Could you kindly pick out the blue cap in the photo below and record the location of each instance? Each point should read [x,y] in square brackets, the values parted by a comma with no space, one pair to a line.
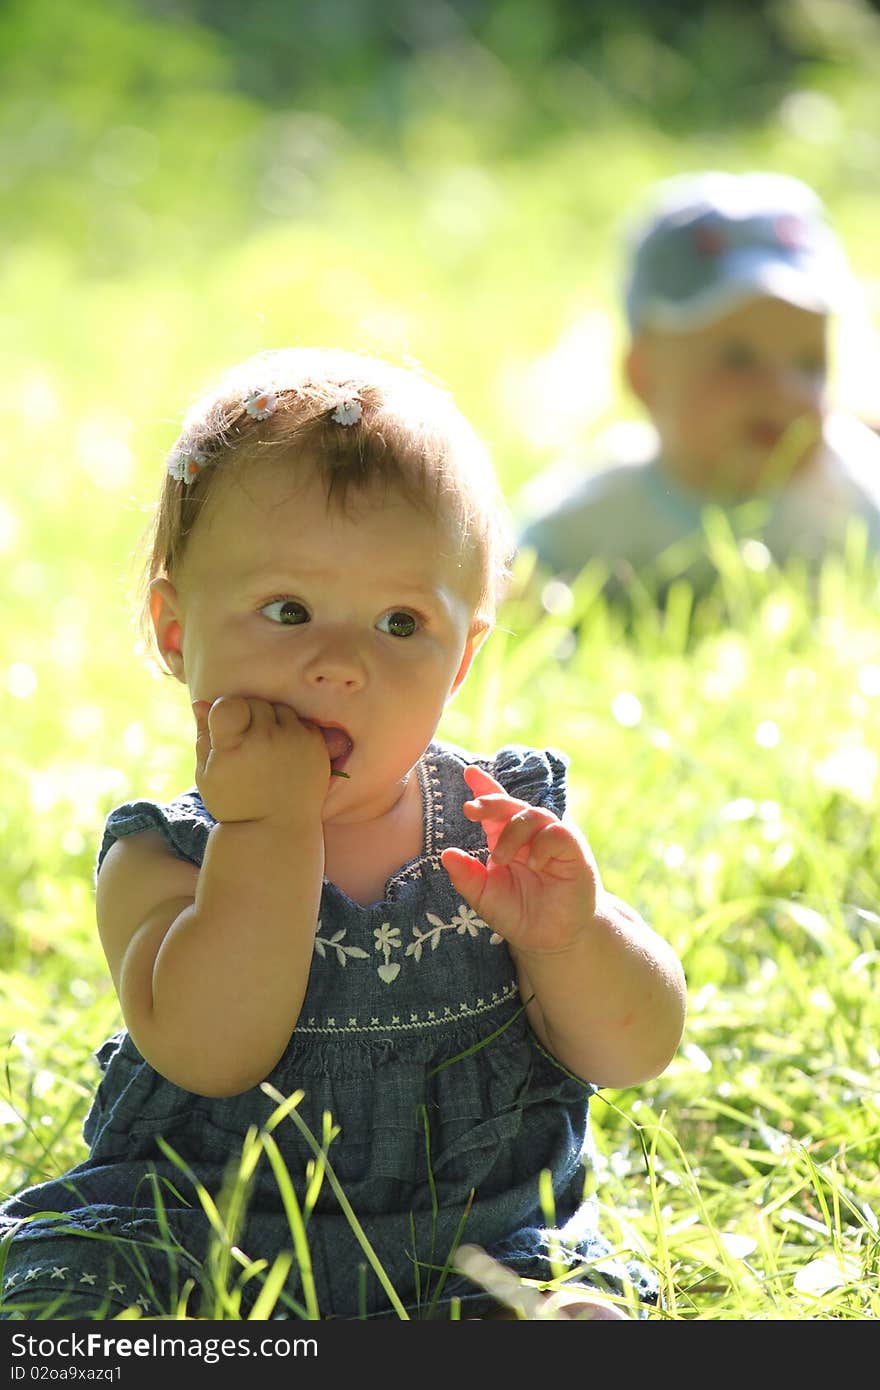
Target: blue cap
[713,241]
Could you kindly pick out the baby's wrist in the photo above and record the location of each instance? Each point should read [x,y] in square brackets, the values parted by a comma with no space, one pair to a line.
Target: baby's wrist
[571,949]
[281,821]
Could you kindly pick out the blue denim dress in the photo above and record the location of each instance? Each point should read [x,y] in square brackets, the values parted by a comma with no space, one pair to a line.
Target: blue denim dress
[412,1051]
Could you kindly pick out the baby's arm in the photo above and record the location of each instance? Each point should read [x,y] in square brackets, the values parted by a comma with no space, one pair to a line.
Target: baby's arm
[607,993]
[211,965]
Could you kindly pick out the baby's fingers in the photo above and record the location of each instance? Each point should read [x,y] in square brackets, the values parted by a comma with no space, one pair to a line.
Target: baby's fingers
[553,844]
[520,832]
[466,874]
[201,710]
[229,720]
[493,812]
[481,782]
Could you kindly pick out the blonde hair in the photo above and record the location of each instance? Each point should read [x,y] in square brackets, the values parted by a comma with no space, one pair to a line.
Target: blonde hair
[405,436]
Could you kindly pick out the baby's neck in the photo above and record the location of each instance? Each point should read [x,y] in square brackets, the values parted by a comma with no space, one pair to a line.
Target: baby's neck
[360,856]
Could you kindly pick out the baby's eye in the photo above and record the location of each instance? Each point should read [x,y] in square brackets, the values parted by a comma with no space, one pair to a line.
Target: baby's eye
[398,623]
[285,610]
[812,366]
[738,356]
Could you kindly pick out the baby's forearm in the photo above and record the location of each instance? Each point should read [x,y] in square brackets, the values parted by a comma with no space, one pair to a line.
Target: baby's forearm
[612,1006]
[230,975]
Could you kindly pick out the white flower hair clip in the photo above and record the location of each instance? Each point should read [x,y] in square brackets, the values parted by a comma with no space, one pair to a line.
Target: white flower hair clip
[347,410]
[184,465]
[260,404]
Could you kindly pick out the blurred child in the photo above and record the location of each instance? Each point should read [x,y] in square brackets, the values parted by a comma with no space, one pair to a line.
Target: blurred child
[730,285]
[414,937]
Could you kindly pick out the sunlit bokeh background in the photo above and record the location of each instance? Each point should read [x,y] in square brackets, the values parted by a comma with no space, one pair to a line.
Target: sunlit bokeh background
[184,182]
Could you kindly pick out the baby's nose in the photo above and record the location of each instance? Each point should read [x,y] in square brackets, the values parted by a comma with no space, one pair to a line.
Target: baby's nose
[803,387]
[336,663]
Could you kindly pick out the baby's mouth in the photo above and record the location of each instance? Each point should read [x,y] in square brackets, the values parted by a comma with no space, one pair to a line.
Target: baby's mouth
[765,434]
[338,744]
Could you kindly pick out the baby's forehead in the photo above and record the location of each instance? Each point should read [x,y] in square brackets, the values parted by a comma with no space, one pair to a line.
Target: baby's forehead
[753,315]
[259,489]
[254,510]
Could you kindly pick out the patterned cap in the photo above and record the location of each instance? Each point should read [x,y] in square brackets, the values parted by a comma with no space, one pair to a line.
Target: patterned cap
[712,241]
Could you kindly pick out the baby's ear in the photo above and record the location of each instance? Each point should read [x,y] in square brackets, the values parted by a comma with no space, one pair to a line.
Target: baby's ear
[479,631]
[164,612]
[637,370]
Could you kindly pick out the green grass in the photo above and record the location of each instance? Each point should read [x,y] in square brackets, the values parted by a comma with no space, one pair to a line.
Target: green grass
[724,760]
[726,776]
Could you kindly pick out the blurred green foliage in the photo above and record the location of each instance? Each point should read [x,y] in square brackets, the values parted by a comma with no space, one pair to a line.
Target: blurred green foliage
[678,60]
[185,182]
[133,130]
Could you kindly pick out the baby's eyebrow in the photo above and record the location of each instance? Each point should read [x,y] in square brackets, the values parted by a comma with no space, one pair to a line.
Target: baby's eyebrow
[394,588]
[426,593]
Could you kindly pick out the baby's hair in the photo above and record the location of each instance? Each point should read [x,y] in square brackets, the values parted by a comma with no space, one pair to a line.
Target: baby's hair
[361,425]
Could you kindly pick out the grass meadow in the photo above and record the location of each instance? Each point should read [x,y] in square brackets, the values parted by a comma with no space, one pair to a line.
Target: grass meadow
[725,757]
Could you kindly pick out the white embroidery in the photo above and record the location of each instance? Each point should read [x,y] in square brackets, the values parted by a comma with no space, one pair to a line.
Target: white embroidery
[430,1019]
[335,942]
[465,922]
[113,1287]
[387,940]
[391,953]
[59,1271]
[88,1278]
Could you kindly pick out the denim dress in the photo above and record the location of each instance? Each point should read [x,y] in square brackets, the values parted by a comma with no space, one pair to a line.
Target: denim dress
[425,1115]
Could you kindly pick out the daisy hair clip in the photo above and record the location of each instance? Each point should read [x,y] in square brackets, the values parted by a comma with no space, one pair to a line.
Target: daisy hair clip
[184,465]
[260,404]
[347,410]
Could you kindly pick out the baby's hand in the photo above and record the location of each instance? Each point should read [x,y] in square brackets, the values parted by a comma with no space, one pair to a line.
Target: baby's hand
[539,887]
[257,761]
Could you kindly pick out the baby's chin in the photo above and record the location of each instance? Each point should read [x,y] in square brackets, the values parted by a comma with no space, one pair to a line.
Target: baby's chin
[748,472]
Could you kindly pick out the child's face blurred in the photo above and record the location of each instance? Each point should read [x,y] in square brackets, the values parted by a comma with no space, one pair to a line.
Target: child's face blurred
[738,403]
[363,622]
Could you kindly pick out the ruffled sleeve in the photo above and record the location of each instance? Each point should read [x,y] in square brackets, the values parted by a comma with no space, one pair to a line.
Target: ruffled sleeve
[184,824]
[534,775]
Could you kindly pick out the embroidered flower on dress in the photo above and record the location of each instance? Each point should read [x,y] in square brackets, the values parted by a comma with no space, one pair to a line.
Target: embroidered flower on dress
[260,404]
[386,936]
[387,939]
[347,410]
[467,921]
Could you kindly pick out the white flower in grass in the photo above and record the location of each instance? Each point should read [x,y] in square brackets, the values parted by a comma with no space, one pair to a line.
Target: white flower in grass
[260,404]
[347,410]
